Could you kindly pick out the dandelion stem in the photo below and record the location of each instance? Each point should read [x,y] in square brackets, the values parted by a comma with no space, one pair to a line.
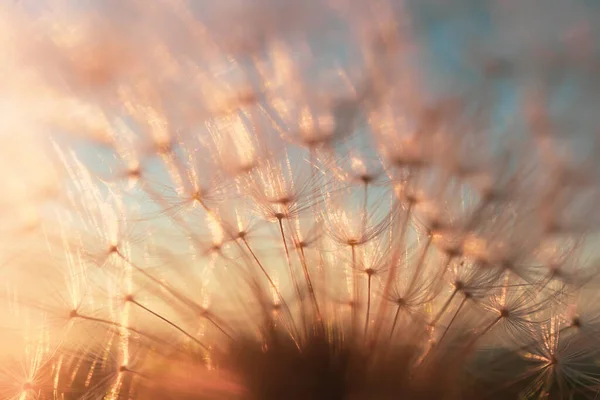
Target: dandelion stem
[263,270]
[439,279]
[311,289]
[315,211]
[462,303]
[483,332]
[292,274]
[270,280]
[356,293]
[157,315]
[443,309]
[368,303]
[393,268]
[218,326]
[396,314]
[419,265]
[129,328]
[364,206]
[177,296]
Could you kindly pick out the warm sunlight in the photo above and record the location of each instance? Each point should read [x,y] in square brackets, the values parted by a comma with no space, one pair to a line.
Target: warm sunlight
[315,200]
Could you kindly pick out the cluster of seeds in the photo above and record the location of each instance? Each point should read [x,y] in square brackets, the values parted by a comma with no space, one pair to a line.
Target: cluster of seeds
[304,202]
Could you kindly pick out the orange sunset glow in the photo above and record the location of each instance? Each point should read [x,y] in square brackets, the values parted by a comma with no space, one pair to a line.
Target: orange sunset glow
[312,200]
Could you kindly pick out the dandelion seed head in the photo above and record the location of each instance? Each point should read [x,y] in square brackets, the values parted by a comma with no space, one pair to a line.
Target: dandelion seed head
[308,201]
